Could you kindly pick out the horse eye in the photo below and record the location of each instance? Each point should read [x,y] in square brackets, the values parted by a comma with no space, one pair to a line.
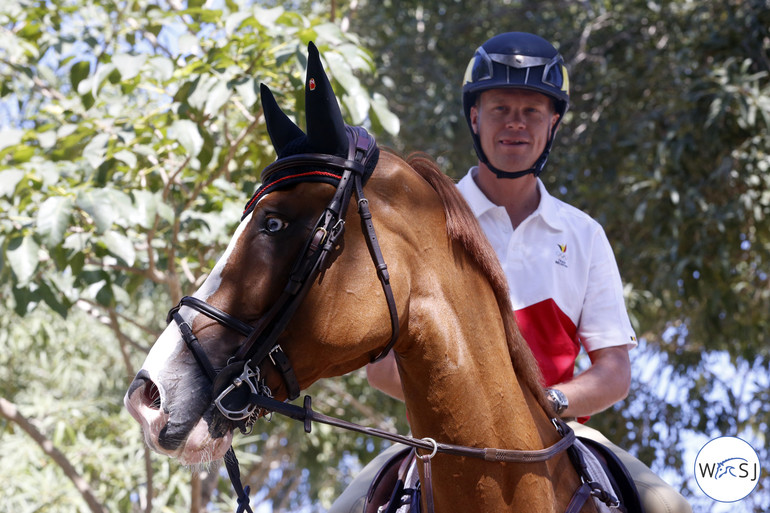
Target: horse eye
[275,224]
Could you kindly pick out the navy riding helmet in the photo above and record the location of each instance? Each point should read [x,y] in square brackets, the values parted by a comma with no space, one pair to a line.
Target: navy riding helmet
[522,61]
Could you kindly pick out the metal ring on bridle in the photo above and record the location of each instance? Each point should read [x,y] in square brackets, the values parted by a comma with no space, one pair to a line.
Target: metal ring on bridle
[435,446]
[246,377]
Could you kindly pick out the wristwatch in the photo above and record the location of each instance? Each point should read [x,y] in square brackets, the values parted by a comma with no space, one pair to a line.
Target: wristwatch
[558,400]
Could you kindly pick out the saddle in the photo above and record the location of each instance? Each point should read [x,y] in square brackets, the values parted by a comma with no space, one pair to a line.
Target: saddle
[396,487]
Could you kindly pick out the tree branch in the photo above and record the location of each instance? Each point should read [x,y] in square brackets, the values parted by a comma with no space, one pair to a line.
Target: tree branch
[90,306]
[151,273]
[230,155]
[10,412]
[148,470]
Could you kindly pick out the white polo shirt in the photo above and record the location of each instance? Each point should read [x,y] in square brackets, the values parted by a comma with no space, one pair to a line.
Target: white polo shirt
[564,281]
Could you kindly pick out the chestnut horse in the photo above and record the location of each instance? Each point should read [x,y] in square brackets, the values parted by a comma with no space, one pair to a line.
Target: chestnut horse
[468,376]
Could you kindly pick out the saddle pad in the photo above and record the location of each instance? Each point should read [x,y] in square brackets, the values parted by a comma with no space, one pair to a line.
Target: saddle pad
[597,472]
[615,471]
[391,483]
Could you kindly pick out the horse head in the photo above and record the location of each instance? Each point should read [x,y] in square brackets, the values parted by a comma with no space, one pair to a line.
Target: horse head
[274,312]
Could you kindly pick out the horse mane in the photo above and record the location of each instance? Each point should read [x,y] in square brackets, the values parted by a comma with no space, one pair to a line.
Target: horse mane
[464,229]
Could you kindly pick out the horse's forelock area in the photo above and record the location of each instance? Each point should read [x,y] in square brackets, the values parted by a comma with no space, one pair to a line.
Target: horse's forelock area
[463,228]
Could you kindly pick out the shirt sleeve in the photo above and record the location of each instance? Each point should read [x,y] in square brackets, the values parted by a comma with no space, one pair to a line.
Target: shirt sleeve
[604,319]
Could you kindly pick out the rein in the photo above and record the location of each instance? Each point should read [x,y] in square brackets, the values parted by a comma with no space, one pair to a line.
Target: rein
[588,488]
[307,416]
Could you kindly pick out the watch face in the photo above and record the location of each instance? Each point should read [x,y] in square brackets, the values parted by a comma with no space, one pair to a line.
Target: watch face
[559,400]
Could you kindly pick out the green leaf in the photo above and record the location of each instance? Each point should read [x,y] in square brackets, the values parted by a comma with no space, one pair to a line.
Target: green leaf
[102,74]
[10,137]
[9,179]
[186,133]
[96,149]
[198,95]
[78,72]
[162,68]
[247,90]
[357,107]
[233,21]
[22,253]
[127,157]
[129,66]
[55,299]
[385,117]
[145,207]
[77,242]
[188,44]
[268,17]
[46,139]
[53,218]
[23,297]
[217,96]
[98,204]
[23,153]
[120,246]
[104,295]
[88,100]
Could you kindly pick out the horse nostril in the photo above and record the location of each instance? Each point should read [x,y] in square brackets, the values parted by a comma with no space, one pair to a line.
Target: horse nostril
[151,395]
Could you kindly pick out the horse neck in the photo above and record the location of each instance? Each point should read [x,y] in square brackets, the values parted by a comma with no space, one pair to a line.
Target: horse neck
[460,388]
[459,383]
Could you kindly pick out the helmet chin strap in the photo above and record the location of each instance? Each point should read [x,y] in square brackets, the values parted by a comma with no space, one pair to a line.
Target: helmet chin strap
[536,168]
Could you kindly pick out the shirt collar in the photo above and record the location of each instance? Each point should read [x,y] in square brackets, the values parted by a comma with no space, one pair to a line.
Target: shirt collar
[477,200]
[547,209]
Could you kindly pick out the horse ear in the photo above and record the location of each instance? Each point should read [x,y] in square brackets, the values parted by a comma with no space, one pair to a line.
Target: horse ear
[280,128]
[325,127]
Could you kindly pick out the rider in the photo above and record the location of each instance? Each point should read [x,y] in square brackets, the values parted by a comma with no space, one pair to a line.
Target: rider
[515,94]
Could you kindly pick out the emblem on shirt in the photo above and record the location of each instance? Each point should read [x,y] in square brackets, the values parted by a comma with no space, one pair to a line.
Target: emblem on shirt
[561,255]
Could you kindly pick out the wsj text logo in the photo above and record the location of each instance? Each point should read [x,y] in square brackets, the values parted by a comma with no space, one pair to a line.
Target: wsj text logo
[727,469]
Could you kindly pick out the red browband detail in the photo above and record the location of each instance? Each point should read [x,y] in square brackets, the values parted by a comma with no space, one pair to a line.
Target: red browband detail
[266,188]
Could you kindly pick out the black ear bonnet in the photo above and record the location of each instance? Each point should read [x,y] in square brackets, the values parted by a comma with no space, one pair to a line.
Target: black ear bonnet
[329,147]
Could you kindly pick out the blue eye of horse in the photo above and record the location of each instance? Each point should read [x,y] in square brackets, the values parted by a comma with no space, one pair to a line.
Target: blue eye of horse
[275,224]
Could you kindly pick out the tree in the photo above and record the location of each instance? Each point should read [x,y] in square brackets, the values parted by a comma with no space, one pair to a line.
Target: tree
[131,138]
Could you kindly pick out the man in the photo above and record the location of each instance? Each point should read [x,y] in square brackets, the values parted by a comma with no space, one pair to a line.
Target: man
[564,282]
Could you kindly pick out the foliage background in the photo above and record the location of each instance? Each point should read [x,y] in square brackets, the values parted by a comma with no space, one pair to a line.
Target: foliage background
[131,135]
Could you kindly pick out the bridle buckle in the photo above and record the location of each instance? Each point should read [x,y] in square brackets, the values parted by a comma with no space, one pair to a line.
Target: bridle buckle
[276,349]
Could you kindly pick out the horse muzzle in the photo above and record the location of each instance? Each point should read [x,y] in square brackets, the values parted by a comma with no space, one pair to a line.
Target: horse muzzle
[190,438]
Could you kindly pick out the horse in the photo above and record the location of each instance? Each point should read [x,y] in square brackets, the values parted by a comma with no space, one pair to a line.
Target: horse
[296,298]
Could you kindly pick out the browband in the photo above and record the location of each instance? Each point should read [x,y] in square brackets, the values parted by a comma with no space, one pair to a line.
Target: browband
[363,155]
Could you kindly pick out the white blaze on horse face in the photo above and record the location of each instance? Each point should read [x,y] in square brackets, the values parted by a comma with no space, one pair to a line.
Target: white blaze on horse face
[160,360]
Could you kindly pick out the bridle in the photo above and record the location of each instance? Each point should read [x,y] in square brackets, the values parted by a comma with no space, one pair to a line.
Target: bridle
[244,404]
[234,400]
[349,175]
